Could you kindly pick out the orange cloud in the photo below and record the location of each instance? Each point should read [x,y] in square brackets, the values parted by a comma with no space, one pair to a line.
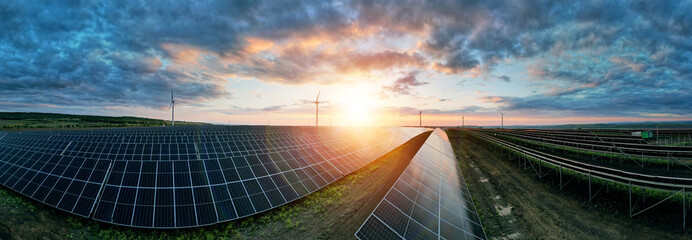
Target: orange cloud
[183,53]
[255,45]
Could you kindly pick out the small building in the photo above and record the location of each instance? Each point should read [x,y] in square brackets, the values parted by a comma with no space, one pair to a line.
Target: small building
[643,134]
[647,134]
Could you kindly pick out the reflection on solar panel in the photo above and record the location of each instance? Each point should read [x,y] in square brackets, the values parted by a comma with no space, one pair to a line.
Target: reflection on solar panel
[177,177]
[430,200]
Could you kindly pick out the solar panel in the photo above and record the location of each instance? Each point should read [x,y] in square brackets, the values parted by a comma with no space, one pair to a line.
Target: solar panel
[175,177]
[69,183]
[430,200]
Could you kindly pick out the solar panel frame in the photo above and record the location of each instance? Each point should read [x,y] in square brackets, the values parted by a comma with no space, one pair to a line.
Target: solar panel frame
[430,197]
[188,176]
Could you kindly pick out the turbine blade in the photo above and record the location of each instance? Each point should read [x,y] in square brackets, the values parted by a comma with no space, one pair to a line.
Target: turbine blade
[318,96]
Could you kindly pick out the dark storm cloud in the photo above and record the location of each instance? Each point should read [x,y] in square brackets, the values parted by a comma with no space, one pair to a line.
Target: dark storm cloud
[86,54]
[102,53]
[629,57]
[599,57]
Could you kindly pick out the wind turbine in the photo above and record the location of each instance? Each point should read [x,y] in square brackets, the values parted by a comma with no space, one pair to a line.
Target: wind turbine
[420,118]
[317,109]
[172,108]
[502,116]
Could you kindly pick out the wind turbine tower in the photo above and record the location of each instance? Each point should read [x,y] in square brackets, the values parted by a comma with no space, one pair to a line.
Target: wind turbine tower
[502,117]
[172,107]
[420,118]
[317,109]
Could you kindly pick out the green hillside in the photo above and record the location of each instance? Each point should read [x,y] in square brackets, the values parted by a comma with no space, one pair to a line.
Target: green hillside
[32,120]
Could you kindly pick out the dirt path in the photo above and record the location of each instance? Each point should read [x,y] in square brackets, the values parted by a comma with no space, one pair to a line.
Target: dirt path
[516,205]
[334,212]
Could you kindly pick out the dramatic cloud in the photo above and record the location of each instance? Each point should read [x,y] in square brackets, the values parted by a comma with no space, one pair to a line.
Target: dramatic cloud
[630,58]
[381,61]
[404,85]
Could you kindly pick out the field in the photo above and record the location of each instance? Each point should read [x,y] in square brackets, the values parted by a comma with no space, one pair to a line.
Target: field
[334,212]
[15,121]
[511,201]
[515,204]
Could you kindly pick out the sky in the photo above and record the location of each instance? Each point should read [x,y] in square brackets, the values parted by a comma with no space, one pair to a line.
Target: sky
[373,62]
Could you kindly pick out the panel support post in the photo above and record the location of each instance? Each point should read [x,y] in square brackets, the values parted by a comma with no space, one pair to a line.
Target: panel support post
[630,194]
[560,177]
[540,169]
[589,186]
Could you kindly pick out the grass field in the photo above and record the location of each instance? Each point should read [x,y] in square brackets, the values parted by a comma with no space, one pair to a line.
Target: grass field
[14,121]
[514,204]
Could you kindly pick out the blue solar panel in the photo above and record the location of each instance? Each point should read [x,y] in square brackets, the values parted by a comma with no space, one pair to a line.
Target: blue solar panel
[430,200]
[174,177]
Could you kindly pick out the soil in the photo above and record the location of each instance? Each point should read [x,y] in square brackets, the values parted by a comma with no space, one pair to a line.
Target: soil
[364,189]
[513,204]
[333,212]
[350,211]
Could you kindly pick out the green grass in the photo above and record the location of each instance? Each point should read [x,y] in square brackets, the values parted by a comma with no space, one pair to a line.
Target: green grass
[602,156]
[22,120]
[598,182]
[16,204]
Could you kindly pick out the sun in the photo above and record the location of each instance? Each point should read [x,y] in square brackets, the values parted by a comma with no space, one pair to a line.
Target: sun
[358,107]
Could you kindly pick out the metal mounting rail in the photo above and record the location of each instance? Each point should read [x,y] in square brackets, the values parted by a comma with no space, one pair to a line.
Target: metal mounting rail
[648,153]
[633,146]
[680,162]
[623,153]
[673,185]
[616,175]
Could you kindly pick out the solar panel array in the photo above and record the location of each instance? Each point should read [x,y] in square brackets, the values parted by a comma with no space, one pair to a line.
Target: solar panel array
[430,200]
[175,177]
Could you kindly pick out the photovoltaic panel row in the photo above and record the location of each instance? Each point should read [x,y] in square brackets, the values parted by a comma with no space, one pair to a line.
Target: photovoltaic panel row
[185,176]
[71,184]
[118,144]
[222,188]
[430,200]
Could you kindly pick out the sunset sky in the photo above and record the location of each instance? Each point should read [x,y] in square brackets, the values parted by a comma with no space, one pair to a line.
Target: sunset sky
[375,62]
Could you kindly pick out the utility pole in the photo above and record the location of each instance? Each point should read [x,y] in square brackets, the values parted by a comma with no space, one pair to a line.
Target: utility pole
[462,121]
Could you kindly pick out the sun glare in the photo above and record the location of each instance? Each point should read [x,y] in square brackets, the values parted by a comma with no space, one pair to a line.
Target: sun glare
[358,107]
